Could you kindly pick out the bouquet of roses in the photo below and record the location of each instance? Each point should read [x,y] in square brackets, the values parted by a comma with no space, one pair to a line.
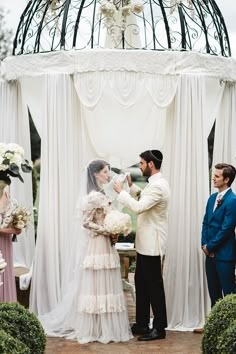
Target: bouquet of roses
[117,222]
[20,217]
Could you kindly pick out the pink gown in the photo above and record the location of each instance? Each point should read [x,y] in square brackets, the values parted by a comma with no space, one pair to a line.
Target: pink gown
[8,289]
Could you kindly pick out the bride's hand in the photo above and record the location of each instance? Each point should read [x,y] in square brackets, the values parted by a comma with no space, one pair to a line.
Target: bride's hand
[114,238]
[118,186]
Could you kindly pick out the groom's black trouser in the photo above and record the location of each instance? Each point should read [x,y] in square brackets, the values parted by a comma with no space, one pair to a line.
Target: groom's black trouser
[150,291]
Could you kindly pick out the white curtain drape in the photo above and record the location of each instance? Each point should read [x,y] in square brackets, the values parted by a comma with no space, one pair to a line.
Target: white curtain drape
[14,127]
[114,105]
[225,128]
[186,150]
[60,161]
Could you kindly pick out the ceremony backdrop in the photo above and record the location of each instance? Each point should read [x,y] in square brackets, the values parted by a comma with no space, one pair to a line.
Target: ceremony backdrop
[114,104]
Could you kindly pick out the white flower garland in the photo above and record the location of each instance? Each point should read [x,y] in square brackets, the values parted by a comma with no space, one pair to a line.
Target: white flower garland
[111,11]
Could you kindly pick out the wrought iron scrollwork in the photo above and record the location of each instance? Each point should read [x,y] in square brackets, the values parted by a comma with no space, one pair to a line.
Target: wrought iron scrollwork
[178,25]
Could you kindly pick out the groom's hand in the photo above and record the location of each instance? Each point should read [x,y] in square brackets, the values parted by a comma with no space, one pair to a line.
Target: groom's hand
[204,248]
[118,186]
[129,180]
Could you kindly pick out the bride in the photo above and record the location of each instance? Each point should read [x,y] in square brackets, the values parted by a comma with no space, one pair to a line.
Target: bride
[94,308]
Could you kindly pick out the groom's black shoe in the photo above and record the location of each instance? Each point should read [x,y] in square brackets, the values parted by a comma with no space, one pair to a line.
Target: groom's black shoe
[153,334]
[138,329]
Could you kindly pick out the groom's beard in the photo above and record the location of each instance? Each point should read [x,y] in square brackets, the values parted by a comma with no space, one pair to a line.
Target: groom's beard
[147,172]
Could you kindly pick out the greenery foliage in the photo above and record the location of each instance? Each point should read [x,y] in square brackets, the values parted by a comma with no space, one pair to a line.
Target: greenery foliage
[220,329]
[130,238]
[35,140]
[9,344]
[34,183]
[227,341]
[23,326]
[5,36]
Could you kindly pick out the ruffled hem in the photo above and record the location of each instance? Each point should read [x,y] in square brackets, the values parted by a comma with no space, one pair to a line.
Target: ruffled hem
[103,328]
[105,261]
[101,304]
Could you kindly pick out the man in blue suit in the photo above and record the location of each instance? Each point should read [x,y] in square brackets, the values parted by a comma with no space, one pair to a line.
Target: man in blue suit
[218,234]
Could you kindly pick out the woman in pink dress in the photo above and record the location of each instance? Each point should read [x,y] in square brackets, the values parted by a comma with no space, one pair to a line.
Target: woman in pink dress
[12,162]
[8,289]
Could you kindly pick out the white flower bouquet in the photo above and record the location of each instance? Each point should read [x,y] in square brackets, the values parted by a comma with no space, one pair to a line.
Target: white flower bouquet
[12,161]
[20,218]
[116,223]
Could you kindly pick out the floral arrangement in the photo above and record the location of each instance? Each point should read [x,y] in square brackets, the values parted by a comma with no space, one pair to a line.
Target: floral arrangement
[20,218]
[116,223]
[110,10]
[12,161]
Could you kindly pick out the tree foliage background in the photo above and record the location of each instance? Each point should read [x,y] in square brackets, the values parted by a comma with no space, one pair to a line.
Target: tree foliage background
[6,36]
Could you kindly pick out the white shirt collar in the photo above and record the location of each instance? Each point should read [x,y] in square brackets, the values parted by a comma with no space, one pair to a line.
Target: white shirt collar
[154,177]
[221,194]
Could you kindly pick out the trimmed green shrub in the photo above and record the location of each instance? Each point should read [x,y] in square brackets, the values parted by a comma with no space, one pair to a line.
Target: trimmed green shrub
[227,341]
[10,345]
[23,325]
[219,321]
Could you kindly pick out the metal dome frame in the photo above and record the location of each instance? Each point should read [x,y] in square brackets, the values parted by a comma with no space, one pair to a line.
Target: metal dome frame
[178,25]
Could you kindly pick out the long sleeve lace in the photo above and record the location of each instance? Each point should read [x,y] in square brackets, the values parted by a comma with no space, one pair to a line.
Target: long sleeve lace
[89,223]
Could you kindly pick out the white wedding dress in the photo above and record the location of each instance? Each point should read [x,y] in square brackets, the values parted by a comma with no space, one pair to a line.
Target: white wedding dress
[94,308]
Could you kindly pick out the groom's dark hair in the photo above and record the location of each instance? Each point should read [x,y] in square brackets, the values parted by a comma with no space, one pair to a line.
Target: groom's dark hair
[229,171]
[153,155]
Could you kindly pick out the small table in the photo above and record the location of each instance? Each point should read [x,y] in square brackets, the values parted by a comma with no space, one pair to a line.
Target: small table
[125,254]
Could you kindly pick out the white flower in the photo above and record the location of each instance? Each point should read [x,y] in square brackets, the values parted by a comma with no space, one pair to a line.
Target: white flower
[20,224]
[17,159]
[16,149]
[137,7]
[126,10]
[107,8]
[116,222]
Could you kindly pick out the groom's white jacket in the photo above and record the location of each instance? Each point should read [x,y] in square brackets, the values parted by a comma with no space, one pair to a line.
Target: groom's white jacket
[152,210]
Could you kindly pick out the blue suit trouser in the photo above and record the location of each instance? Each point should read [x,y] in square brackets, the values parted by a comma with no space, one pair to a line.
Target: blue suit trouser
[220,278]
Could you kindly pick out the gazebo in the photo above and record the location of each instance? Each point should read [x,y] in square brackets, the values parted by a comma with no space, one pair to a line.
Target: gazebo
[110,79]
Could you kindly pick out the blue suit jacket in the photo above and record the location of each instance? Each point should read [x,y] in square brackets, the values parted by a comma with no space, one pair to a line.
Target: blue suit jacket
[218,228]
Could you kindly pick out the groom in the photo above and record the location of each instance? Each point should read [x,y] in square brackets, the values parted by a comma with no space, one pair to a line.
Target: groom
[151,205]
[218,234]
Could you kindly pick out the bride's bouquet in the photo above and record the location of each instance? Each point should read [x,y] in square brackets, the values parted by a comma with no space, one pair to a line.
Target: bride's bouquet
[117,222]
